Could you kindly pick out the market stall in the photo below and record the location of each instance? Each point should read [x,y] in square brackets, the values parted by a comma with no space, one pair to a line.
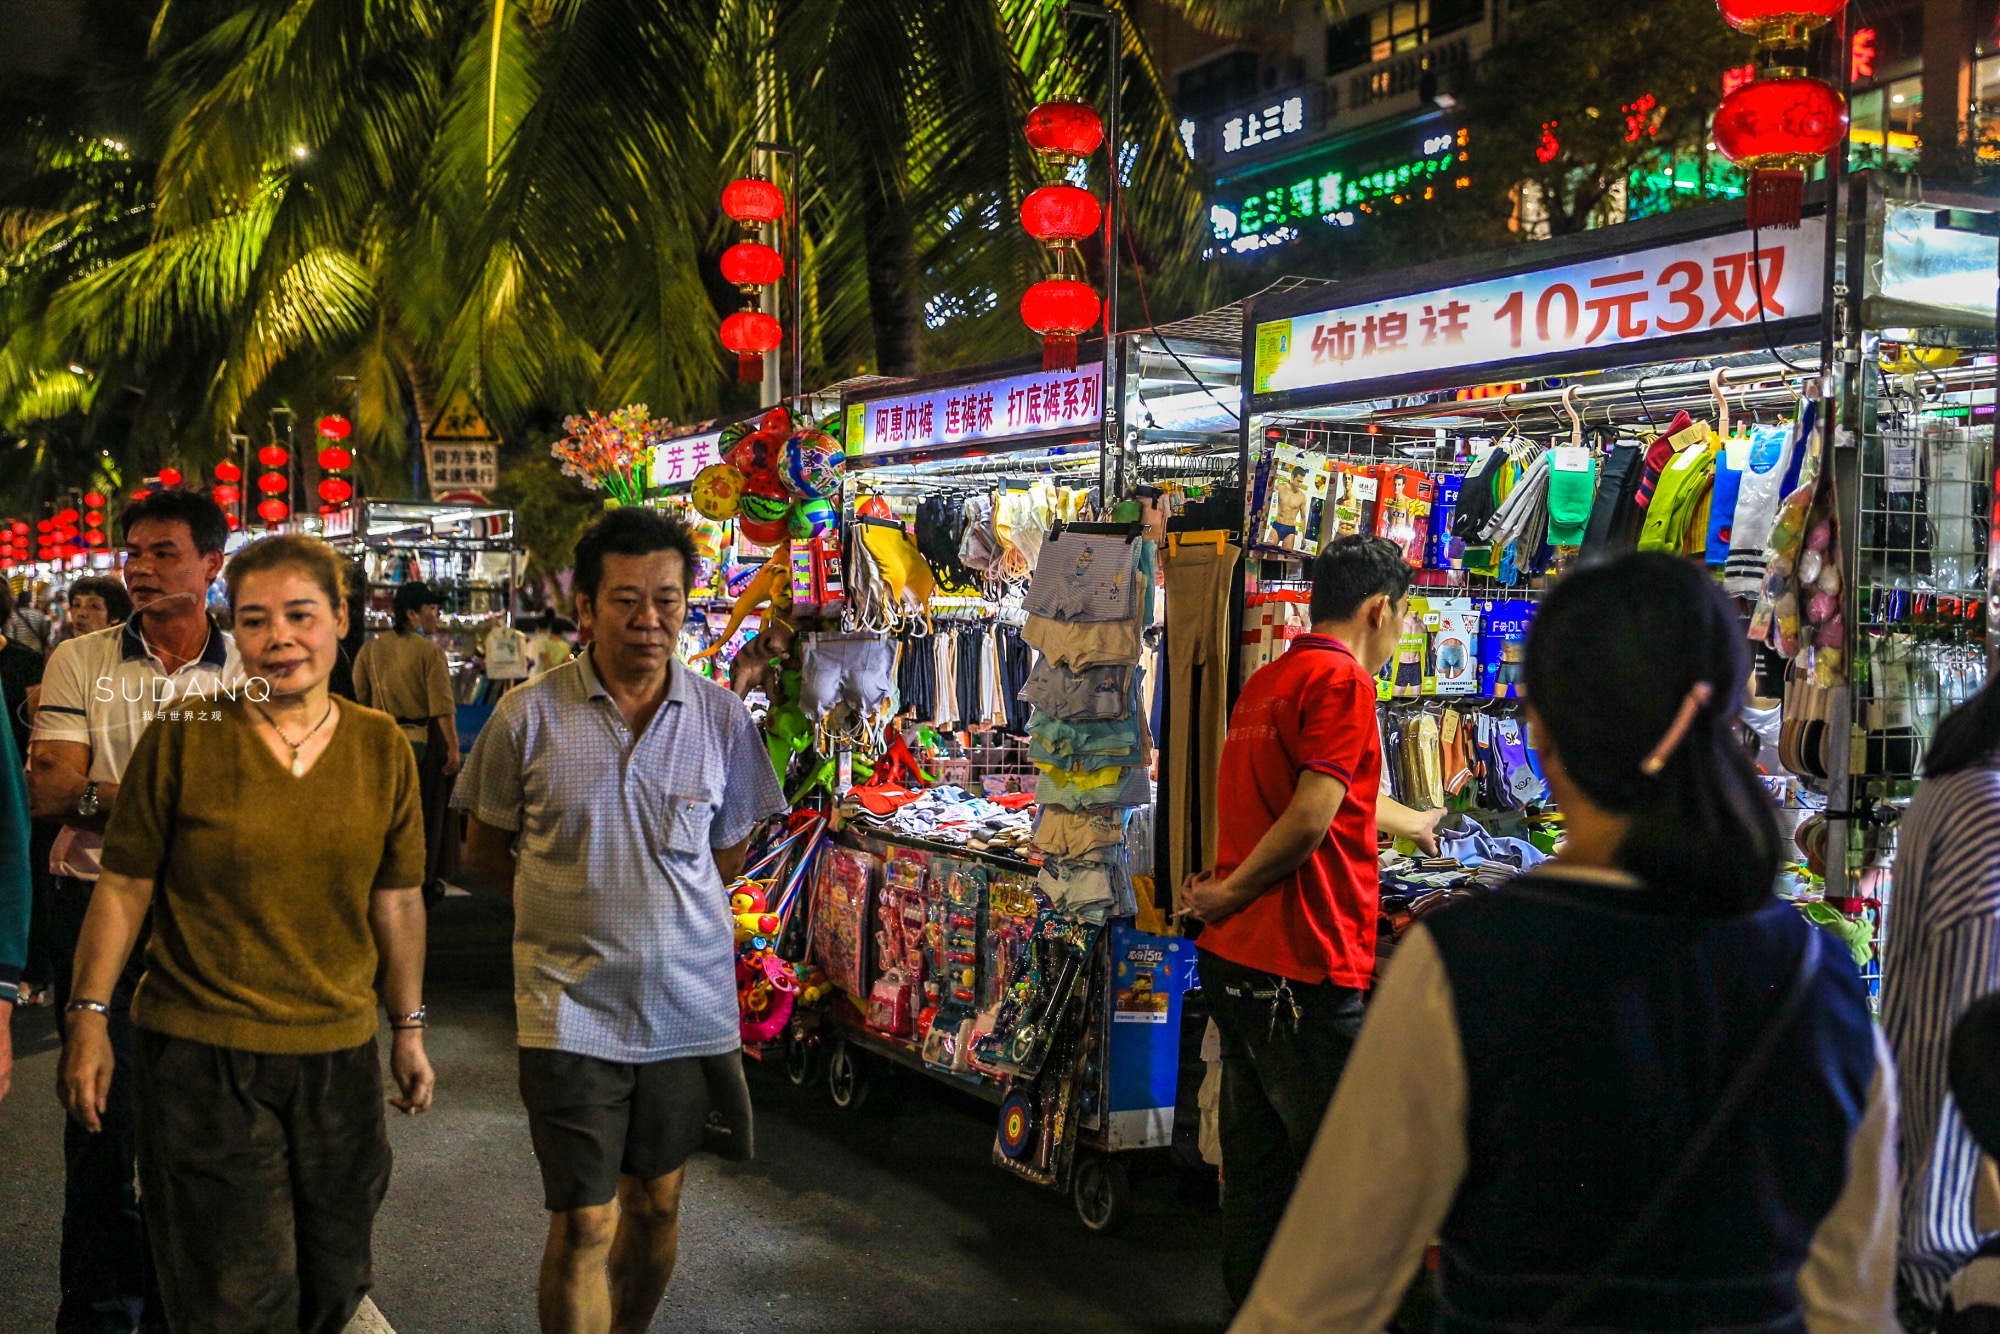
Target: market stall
[1680,384]
[978,901]
[466,553]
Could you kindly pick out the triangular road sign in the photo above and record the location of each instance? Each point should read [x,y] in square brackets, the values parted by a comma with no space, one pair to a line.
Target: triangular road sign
[460,421]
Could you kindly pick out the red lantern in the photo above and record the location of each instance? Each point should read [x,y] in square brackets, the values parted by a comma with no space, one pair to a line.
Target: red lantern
[228,472]
[226,495]
[20,527]
[335,489]
[274,456]
[66,516]
[271,483]
[93,520]
[1775,128]
[753,201]
[1059,309]
[335,427]
[1057,213]
[43,525]
[1065,129]
[750,334]
[94,537]
[1790,20]
[273,510]
[750,264]
[170,477]
[234,522]
[333,458]
[94,500]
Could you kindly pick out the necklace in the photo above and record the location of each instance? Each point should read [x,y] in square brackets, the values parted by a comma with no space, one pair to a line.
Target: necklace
[298,765]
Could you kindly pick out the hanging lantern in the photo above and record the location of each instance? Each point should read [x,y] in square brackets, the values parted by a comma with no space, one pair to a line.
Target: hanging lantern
[750,334]
[273,510]
[335,489]
[1065,131]
[273,483]
[233,521]
[226,495]
[334,427]
[228,472]
[333,458]
[1059,309]
[94,500]
[1775,128]
[274,456]
[751,264]
[93,520]
[1056,214]
[66,517]
[94,538]
[1787,21]
[753,201]
[170,477]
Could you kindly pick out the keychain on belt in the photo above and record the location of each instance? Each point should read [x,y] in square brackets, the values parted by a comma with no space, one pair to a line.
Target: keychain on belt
[1283,1003]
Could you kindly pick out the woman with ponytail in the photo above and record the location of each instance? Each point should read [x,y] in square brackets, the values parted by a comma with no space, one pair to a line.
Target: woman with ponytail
[1943,954]
[1630,1091]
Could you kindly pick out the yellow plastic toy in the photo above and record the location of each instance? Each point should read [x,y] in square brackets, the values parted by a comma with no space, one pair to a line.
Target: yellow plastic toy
[773,584]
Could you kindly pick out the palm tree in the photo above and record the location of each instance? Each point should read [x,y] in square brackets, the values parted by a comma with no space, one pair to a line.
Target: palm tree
[367,203]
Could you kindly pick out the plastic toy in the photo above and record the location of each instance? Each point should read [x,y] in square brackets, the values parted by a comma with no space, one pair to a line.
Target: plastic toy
[772,583]
[811,464]
[811,518]
[776,422]
[750,925]
[755,453]
[718,491]
[748,896]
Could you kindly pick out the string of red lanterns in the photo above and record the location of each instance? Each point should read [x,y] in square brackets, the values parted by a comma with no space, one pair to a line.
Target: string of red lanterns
[1778,124]
[275,482]
[1063,305]
[334,459]
[227,494]
[93,519]
[750,266]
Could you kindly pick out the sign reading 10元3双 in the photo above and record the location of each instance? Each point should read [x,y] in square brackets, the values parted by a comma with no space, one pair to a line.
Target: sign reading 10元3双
[1694,287]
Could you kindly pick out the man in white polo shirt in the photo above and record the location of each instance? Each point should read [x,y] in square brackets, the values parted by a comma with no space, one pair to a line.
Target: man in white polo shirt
[99,694]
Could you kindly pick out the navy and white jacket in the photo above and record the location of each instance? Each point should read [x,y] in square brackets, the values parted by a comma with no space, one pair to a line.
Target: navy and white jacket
[1532,1068]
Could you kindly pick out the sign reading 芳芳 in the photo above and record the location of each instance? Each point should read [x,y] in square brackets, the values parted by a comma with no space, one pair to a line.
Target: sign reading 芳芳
[1693,287]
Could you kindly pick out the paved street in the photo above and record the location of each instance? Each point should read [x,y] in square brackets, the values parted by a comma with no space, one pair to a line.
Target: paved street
[893,1221]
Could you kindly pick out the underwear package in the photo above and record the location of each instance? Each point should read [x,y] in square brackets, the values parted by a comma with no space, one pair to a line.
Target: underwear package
[1503,645]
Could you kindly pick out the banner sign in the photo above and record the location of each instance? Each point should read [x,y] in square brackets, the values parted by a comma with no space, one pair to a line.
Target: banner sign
[1019,405]
[1692,287]
[675,462]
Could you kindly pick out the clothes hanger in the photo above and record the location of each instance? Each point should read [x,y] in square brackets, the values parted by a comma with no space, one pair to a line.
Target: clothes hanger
[1569,402]
[1715,384]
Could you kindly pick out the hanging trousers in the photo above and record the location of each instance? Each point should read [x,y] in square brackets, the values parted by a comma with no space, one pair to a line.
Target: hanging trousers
[1198,580]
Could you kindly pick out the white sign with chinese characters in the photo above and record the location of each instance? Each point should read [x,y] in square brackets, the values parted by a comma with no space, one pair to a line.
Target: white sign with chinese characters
[676,462]
[1694,287]
[1019,405]
[455,467]
[1252,128]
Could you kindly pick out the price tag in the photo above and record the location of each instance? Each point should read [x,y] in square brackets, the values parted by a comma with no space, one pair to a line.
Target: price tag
[1570,458]
[1364,488]
[1689,437]
[1901,465]
[1737,450]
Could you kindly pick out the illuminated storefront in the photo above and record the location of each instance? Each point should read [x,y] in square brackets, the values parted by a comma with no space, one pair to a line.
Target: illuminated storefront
[1336,184]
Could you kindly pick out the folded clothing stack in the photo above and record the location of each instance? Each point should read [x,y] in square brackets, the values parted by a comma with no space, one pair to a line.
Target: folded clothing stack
[947,815]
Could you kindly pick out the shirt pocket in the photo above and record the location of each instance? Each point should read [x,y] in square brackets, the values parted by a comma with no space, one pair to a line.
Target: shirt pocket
[687,820]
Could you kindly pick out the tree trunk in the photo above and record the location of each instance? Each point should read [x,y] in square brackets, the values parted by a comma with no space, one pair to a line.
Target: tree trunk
[892,273]
[423,406]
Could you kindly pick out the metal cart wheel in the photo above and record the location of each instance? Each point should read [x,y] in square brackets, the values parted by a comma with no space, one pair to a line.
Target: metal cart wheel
[801,1057]
[1103,1191]
[848,1079]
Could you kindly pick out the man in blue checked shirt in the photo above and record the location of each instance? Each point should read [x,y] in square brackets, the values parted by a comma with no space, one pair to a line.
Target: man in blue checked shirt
[611,799]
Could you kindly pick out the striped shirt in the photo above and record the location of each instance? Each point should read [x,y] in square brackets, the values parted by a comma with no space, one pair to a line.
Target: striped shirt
[1942,953]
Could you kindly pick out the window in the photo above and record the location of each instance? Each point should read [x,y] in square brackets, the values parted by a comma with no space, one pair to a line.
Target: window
[1402,25]
[1218,84]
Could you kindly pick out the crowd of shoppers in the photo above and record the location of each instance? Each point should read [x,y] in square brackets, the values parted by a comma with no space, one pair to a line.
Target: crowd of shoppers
[1633,1091]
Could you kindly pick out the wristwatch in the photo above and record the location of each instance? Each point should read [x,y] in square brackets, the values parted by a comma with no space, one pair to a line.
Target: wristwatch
[86,805]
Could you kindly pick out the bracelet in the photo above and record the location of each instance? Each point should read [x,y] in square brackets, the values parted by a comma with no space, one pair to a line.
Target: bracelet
[93,1007]
[414,1019]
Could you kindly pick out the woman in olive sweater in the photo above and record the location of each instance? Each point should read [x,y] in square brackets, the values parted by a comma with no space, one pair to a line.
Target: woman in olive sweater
[277,840]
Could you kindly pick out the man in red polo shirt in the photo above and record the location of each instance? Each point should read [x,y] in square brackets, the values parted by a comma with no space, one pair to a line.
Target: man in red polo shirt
[1290,908]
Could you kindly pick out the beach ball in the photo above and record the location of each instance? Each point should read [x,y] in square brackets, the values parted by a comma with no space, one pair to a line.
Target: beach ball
[812,464]
[812,518]
[766,484]
[717,491]
[732,434]
[764,532]
[777,423]
[755,453]
[764,509]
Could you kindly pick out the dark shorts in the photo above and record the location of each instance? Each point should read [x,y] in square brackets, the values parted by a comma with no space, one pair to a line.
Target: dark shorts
[593,1121]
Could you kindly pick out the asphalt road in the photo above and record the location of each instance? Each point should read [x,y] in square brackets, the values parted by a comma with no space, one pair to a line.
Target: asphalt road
[881,1220]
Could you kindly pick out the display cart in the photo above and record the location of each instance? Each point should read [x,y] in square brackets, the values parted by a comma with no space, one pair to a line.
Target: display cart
[1825,331]
[466,553]
[1111,1077]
